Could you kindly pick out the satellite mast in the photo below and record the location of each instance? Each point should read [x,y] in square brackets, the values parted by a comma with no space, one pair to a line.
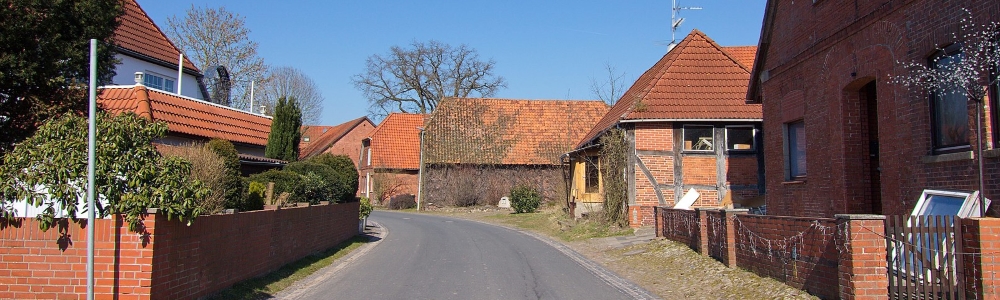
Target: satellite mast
[676,21]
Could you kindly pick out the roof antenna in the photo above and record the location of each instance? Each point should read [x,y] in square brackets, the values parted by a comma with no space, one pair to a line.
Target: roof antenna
[676,20]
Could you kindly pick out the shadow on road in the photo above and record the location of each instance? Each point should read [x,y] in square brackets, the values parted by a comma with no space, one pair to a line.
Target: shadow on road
[268,285]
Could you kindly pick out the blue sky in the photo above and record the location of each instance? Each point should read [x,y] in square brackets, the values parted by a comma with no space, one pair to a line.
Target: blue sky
[544,49]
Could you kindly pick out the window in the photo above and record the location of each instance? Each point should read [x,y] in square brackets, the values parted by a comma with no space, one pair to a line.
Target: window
[795,149]
[739,137]
[159,82]
[593,175]
[948,203]
[698,138]
[949,109]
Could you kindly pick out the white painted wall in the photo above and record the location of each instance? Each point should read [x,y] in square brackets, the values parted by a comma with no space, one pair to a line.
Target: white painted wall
[125,75]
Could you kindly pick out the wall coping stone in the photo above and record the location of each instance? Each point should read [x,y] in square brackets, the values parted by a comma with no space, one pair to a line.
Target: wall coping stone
[859,217]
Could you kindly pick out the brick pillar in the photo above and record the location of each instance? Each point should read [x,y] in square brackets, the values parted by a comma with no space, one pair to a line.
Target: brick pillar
[982,271]
[729,226]
[701,241]
[862,272]
[658,219]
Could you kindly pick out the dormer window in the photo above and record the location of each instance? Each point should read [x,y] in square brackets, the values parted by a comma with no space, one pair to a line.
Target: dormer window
[160,82]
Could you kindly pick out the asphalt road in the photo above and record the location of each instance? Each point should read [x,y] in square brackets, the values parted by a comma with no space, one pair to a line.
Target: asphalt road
[431,257]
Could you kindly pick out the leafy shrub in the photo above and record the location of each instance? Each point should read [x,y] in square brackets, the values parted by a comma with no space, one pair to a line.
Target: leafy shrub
[403,201]
[524,199]
[311,188]
[284,181]
[345,175]
[233,184]
[254,199]
[130,175]
[366,208]
[207,167]
[320,185]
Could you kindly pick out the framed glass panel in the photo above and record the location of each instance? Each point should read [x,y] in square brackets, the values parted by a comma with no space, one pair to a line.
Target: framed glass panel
[796,148]
[950,110]
[698,138]
[740,138]
[948,203]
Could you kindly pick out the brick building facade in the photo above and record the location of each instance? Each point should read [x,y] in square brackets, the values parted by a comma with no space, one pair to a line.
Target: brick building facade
[842,137]
[687,127]
[389,161]
[342,139]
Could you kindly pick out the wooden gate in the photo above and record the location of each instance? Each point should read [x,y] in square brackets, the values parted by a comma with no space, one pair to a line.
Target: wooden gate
[924,260]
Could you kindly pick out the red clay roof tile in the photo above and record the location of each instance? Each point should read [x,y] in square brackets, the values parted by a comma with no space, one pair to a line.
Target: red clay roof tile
[187,115]
[506,131]
[395,143]
[137,33]
[697,79]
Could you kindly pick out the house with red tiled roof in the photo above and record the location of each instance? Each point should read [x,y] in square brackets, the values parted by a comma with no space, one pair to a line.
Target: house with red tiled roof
[342,139]
[390,157]
[191,120]
[687,126]
[143,48]
[476,149]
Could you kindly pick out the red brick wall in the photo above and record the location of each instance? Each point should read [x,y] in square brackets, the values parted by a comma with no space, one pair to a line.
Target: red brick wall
[678,225]
[805,258]
[654,136]
[38,265]
[820,55]
[982,261]
[175,262]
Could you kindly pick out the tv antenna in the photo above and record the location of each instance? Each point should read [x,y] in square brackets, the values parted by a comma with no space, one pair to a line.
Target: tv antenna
[676,21]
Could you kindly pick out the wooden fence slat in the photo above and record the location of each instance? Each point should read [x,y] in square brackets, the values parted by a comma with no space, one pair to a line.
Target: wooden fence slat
[910,256]
[940,273]
[889,233]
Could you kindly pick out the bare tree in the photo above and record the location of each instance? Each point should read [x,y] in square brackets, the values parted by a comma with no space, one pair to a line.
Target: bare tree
[415,79]
[612,89]
[967,75]
[211,37]
[291,83]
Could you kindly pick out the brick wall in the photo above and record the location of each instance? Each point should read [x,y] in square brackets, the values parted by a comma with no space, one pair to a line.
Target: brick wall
[982,268]
[821,54]
[174,261]
[806,258]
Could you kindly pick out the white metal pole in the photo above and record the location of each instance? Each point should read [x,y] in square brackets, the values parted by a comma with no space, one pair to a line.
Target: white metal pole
[92,136]
[420,174]
[180,72]
[251,96]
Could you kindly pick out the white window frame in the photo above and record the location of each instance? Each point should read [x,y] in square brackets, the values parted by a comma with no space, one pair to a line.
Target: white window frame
[169,84]
[969,208]
[710,143]
[753,137]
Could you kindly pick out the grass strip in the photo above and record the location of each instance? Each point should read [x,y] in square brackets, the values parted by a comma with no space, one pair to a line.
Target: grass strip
[556,224]
[270,284]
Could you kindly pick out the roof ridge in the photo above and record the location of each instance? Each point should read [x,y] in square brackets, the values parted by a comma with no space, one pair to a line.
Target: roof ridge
[721,49]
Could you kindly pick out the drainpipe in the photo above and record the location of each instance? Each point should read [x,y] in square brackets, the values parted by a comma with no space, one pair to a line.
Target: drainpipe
[180,73]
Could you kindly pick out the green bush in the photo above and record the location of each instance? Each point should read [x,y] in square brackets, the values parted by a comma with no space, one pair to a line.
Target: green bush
[232,182]
[311,188]
[344,174]
[254,197]
[524,199]
[366,208]
[284,181]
